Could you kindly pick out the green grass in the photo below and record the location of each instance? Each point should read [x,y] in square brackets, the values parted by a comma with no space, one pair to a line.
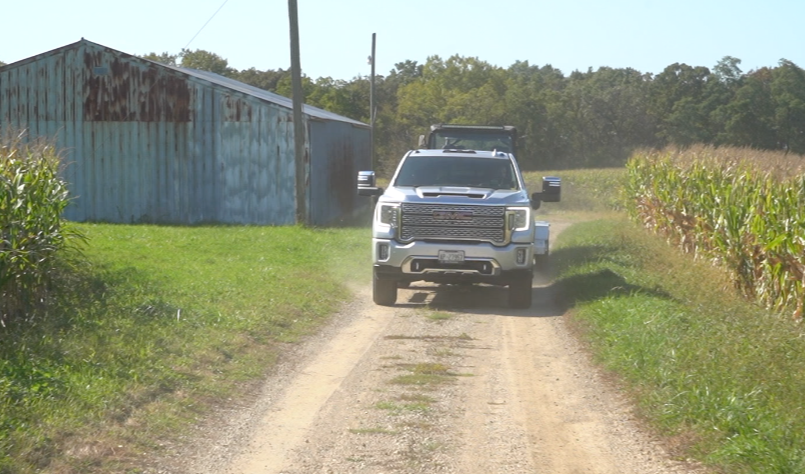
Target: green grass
[425,374]
[721,376]
[439,315]
[411,402]
[155,325]
[395,408]
[417,397]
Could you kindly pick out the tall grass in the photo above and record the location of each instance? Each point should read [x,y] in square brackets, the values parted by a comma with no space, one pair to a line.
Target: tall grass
[32,232]
[739,208]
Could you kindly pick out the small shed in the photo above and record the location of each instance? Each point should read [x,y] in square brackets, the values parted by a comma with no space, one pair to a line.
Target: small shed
[146,142]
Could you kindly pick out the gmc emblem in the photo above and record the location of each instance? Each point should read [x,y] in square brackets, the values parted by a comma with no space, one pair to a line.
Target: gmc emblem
[452,215]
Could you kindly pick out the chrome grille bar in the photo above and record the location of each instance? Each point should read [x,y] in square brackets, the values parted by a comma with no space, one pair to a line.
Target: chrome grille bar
[453,222]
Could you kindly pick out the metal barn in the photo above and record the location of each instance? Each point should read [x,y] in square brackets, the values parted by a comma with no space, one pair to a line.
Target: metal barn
[146,142]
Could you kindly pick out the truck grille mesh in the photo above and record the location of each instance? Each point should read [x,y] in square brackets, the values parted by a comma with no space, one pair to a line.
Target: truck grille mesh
[453,222]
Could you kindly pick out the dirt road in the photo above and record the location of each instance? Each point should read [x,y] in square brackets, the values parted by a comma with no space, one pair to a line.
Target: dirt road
[448,381]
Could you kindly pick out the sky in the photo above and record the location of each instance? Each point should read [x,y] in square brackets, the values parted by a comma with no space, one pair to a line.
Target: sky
[336,35]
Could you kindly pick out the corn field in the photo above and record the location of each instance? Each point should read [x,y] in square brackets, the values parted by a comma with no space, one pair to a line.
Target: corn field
[32,232]
[743,209]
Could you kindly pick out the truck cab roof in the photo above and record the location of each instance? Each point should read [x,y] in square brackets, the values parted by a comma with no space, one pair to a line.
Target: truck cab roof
[471,137]
[494,154]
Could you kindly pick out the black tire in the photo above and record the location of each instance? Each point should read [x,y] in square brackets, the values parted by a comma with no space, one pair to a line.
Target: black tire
[520,292]
[384,292]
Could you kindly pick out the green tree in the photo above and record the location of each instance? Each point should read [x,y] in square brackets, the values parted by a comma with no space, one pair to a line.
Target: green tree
[458,90]
[392,136]
[717,96]
[530,103]
[350,99]
[205,61]
[604,116]
[678,82]
[405,72]
[448,92]
[749,116]
[285,88]
[266,80]
[788,97]
[592,118]
[164,58]
[727,70]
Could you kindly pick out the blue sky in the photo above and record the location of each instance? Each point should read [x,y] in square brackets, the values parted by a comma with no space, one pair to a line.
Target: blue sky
[335,35]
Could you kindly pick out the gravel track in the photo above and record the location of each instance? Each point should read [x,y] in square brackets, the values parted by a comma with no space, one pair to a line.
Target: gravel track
[449,380]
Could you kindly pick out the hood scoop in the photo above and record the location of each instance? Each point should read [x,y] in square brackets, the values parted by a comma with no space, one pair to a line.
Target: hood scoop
[435,191]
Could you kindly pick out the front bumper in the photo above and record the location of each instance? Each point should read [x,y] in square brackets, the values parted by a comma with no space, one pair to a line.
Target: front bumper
[483,262]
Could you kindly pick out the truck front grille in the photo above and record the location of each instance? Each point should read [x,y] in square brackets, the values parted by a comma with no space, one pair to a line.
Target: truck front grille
[453,222]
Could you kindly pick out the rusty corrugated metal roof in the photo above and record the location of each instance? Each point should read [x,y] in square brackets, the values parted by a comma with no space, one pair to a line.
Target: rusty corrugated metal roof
[217,79]
[267,96]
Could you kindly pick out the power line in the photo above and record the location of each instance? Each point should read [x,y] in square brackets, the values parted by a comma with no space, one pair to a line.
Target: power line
[205,24]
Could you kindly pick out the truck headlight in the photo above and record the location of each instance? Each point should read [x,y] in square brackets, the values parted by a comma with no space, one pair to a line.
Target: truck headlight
[388,214]
[517,218]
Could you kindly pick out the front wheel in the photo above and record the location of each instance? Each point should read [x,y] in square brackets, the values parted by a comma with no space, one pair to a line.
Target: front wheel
[384,292]
[520,292]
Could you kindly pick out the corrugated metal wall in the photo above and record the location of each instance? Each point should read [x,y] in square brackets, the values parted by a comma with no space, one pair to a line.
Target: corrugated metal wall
[145,143]
[338,151]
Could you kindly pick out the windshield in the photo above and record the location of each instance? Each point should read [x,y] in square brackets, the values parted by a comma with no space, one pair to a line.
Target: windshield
[457,171]
[459,140]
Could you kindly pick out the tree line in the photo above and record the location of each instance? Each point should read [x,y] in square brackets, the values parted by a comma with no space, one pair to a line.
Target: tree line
[586,119]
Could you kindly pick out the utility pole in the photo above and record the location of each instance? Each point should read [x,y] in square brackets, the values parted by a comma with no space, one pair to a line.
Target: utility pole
[372,104]
[298,123]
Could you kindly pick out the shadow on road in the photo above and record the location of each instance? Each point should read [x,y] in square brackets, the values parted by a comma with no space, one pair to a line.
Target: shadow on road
[479,299]
[549,298]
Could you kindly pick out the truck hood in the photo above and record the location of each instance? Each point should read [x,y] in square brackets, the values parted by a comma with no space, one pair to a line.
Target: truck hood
[456,195]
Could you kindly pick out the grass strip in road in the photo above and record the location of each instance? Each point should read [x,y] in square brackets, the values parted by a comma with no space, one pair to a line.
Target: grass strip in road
[720,376]
[158,324]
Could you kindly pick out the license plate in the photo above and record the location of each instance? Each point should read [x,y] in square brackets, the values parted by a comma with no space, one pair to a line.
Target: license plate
[451,256]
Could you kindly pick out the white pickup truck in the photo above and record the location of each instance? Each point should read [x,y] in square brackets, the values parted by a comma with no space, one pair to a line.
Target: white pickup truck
[457,216]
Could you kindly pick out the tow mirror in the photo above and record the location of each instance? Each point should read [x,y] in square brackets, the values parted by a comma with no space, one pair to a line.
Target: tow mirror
[551,189]
[366,184]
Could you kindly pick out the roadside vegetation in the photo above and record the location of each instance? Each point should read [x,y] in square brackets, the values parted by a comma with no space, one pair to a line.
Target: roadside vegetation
[153,326]
[715,372]
[139,331]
